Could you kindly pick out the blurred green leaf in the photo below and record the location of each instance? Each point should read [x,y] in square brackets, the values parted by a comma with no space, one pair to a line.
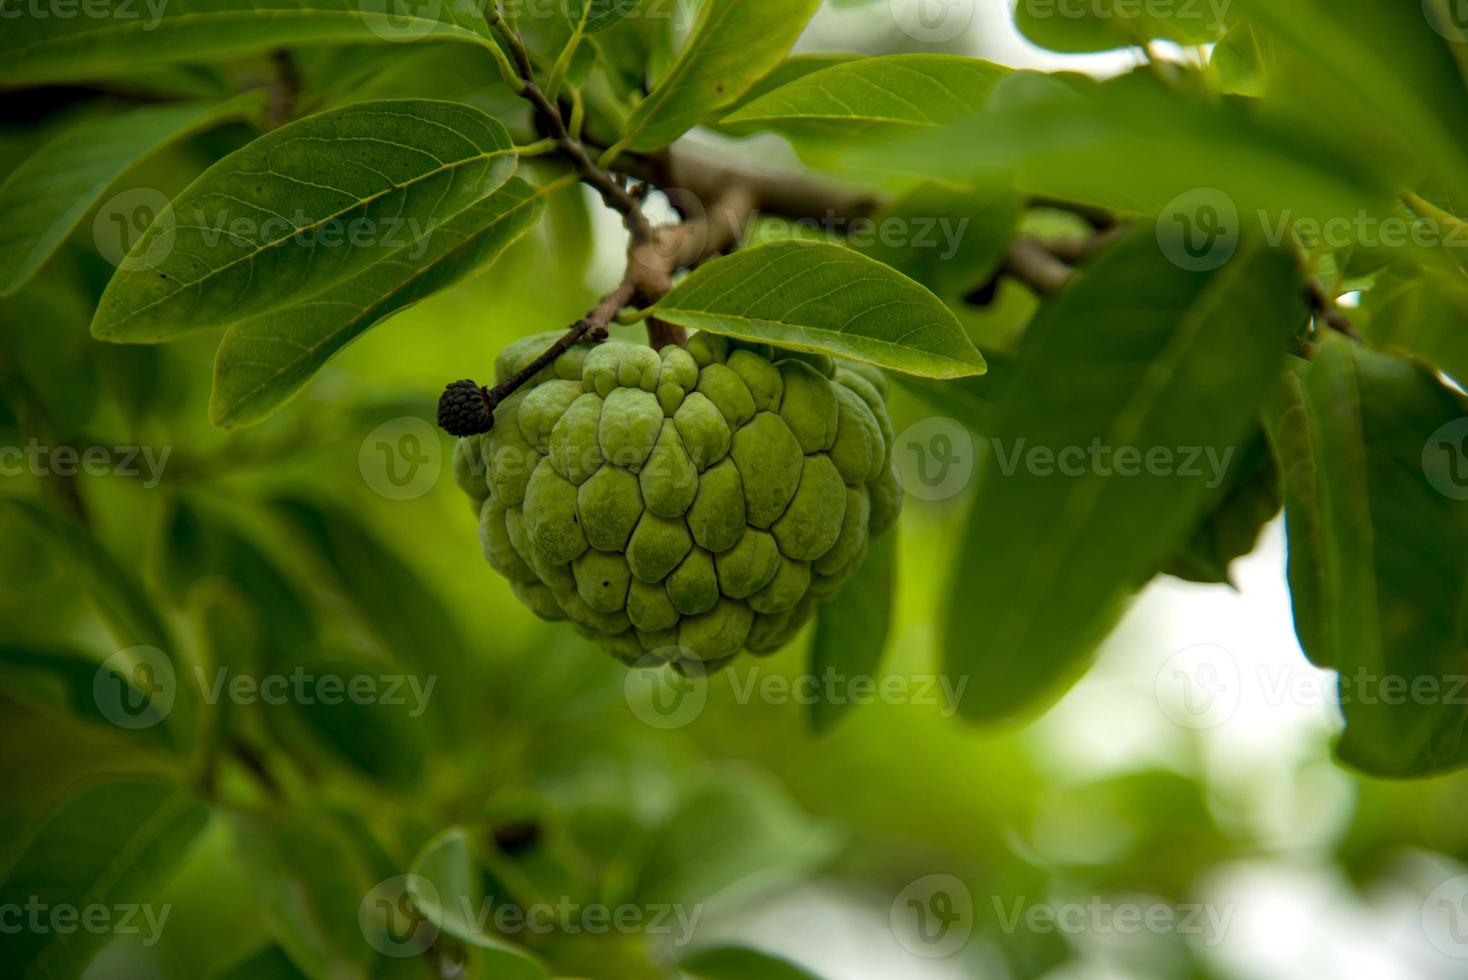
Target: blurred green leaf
[266,360]
[1373,451]
[734,44]
[391,598]
[950,239]
[447,885]
[304,208]
[1137,356]
[270,963]
[827,299]
[66,679]
[118,595]
[852,629]
[740,963]
[732,836]
[1104,25]
[45,197]
[600,14]
[41,50]
[872,96]
[109,845]
[1252,497]
[310,887]
[1374,68]
[1133,144]
[1245,61]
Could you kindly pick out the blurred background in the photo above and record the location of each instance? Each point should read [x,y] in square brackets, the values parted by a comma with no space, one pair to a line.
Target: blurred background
[1177,815]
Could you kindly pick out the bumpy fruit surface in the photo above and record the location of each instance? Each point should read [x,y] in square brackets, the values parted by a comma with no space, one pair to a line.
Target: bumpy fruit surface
[682,505]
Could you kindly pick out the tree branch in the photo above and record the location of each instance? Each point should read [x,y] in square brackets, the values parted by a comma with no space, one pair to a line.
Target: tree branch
[549,114]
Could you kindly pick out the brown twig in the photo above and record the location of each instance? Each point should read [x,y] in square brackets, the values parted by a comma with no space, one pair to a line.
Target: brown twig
[1330,314]
[284,88]
[549,114]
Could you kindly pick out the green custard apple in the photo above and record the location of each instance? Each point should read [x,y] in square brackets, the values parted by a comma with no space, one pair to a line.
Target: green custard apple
[682,505]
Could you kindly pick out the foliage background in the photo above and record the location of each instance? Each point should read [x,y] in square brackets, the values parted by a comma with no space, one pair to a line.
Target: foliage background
[797,844]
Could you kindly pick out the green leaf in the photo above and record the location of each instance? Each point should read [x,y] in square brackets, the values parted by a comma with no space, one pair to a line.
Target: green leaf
[382,737]
[852,629]
[132,36]
[270,963]
[731,837]
[1245,61]
[1251,499]
[1372,448]
[1103,25]
[66,679]
[1138,356]
[735,43]
[826,299]
[390,597]
[116,592]
[1134,144]
[1420,312]
[949,239]
[603,13]
[265,361]
[872,96]
[447,884]
[111,844]
[310,887]
[1378,70]
[740,963]
[304,208]
[45,197]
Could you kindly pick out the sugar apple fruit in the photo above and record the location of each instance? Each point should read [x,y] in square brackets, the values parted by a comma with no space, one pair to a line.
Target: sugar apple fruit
[686,504]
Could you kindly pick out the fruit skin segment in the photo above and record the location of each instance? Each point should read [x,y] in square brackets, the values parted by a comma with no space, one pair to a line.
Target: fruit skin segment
[684,505]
